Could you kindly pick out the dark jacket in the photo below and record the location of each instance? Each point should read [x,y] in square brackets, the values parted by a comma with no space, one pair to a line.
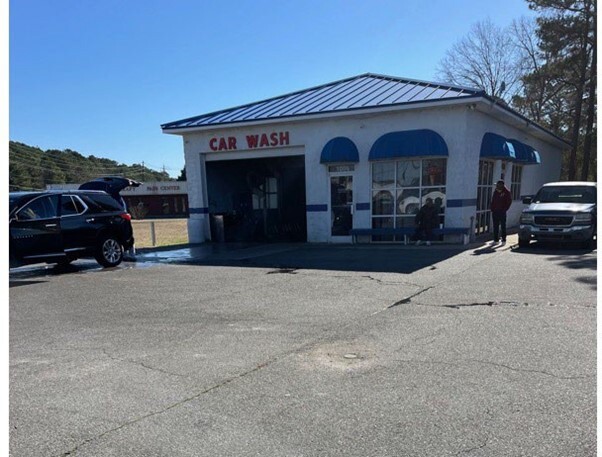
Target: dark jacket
[501,201]
[427,217]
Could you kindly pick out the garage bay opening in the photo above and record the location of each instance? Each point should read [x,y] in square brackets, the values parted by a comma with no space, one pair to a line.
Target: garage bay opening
[257,199]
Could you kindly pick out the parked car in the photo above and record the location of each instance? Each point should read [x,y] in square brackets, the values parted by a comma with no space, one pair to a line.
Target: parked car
[560,211]
[61,226]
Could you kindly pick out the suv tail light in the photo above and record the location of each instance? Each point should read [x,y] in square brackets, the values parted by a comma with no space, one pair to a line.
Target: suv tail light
[126,216]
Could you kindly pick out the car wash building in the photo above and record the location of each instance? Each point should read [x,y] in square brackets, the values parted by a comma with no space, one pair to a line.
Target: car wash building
[360,153]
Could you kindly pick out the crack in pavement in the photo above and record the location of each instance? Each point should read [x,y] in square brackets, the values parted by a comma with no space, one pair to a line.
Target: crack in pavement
[525,370]
[409,299]
[142,364]
[389,283]
[352,277]
[506,303]
[486,441]
[170,407]
[498,365]
[196,396]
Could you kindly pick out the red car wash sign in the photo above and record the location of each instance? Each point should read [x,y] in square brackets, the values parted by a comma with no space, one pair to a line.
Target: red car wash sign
[256,141]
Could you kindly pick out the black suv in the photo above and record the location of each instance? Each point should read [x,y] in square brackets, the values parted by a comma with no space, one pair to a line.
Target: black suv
[562,212]
[61,226]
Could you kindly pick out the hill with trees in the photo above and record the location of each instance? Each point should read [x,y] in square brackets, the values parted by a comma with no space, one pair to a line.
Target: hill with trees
[32,168]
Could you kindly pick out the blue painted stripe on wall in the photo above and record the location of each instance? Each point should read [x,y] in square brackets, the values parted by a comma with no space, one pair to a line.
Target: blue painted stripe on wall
[316,208]
[363,206]
[461,203]
[198,210]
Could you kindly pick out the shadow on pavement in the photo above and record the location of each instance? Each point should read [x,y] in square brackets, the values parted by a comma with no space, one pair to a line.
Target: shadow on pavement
[19,283]
[562,252]
[290,256]
[23,276]
[568,256]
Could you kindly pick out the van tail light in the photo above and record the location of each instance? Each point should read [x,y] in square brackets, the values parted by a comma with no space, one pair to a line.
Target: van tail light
[126,216]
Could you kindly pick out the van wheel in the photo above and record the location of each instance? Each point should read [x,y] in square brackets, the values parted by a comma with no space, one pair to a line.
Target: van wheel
[109,252]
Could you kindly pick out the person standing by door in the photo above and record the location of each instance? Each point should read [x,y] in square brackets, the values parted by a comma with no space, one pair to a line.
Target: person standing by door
[500,204]
[426,220]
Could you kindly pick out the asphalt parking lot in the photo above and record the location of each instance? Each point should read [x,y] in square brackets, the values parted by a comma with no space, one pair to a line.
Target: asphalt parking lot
[308,350]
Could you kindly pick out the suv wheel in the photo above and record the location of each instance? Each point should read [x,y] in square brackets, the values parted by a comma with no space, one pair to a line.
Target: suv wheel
[523,243]
[109,252]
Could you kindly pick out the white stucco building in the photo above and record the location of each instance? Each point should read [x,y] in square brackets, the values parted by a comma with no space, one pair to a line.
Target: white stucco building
[364,152]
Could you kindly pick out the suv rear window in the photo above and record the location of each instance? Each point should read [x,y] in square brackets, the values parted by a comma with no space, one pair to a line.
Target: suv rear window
[101,203]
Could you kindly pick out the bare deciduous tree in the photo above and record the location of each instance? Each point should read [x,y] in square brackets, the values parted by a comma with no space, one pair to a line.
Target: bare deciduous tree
[486,58]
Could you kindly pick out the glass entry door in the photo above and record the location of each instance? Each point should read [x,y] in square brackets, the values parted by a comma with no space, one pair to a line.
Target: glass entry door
[341,207]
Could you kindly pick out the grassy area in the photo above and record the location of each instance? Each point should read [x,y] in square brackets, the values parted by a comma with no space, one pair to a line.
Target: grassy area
[168,232]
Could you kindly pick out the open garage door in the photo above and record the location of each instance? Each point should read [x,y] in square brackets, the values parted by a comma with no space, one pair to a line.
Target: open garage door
[258,199]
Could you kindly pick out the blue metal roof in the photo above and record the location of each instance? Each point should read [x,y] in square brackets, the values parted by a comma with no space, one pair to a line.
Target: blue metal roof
[359,92]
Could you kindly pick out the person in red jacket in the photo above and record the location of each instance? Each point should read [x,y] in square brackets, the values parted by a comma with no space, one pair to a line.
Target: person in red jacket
[500,204]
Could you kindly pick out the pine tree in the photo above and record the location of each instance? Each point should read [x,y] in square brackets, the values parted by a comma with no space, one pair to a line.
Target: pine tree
[566,34]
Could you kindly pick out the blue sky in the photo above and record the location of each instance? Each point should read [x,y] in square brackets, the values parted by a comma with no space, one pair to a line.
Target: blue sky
[99,77]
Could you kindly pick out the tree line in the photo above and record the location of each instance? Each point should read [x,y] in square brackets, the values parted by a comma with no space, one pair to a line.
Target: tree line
[32,168]
[544,68]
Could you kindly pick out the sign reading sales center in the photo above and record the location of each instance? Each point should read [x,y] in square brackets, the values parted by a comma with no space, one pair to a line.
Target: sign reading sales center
[263,140]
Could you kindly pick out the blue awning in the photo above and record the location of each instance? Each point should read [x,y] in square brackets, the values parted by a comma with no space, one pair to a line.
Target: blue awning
[410,143]
[534,156]
[495,146]
[339,149]
[525,153]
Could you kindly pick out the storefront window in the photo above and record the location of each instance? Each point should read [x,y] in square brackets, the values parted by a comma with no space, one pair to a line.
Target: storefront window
[400,188]
[382,203]
[433,172]
[408,201]
[408,173]
[383,175]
